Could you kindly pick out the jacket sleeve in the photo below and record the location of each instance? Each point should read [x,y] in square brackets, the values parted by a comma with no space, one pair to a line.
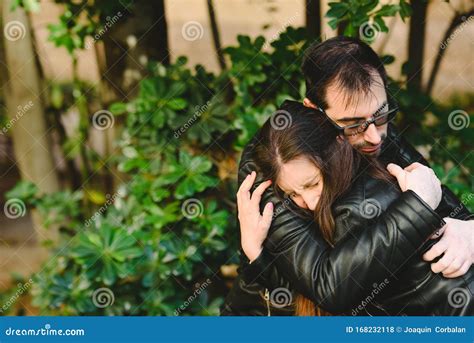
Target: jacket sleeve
[244,299]
[331,275]
[404,154]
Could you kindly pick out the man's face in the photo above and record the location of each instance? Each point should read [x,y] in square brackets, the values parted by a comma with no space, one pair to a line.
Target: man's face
[362,109]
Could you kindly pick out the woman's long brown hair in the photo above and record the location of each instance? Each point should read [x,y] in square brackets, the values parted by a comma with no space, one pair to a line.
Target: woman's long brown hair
[298,131]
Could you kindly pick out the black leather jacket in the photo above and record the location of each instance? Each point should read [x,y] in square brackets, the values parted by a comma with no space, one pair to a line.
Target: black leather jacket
[338,279]
[412,289]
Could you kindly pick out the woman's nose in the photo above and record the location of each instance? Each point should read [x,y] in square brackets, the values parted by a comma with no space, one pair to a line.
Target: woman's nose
[310,200]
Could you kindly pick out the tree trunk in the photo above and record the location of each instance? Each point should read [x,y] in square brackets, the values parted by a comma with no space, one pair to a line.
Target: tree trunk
[458,20]
[126,59]
[416,44]
[22,93]
[313,19]
[216,38]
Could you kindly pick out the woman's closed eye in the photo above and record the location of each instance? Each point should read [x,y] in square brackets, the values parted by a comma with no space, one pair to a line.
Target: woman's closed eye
[311,186]
[294,195]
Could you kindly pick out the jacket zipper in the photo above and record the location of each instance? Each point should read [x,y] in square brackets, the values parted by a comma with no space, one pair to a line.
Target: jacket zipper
[267,300]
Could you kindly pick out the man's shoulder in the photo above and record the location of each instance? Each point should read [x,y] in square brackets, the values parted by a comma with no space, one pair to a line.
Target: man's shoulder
[398,150]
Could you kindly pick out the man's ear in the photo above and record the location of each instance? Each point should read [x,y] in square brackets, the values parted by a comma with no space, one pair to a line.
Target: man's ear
[308,103]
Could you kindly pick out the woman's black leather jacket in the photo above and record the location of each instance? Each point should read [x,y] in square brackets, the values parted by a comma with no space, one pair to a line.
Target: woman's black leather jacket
[339,278]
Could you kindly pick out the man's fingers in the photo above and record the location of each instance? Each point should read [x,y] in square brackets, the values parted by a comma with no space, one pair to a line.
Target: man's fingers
[438,233]
[413,166]
[436,250]
[257,193]
[267,215]
[399,174]
[394,168]
[454,266]
[443,264]
[461,271]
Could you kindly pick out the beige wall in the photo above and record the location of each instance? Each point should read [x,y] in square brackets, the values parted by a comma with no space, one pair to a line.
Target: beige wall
[248,17]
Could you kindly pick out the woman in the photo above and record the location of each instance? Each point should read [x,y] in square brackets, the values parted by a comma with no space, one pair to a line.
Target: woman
[308,165]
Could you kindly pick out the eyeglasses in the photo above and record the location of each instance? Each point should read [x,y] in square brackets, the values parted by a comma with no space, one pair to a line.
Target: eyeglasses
[378,119]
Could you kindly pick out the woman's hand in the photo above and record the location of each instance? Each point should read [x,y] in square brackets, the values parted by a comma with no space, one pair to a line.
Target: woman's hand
[253,225]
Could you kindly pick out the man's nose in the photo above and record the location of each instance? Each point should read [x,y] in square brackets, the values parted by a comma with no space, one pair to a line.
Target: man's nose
[372,135]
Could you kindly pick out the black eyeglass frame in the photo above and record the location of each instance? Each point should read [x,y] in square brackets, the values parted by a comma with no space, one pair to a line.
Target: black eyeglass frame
[385,118]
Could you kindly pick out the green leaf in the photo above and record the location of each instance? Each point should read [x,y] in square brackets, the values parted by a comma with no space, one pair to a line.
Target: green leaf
[337,10]
[118,108]
[388,11]
[177,104]
[405,10]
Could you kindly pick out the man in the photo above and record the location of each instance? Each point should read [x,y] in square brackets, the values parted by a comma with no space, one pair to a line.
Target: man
[346,81]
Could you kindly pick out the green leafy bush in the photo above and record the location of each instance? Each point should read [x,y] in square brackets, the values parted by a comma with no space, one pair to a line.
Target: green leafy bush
[170,225]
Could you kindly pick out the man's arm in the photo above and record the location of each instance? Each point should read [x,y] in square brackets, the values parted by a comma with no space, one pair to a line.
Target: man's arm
[456,245]
[399,151]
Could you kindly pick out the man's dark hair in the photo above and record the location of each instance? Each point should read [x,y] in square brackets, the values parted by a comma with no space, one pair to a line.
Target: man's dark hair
[346,62]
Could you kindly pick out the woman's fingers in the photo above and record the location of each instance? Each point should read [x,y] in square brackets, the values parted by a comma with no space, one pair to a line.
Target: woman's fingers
[257,193]
[267,216]
[244,189]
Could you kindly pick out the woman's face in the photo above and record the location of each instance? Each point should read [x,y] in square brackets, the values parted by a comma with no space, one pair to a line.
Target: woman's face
[302,181]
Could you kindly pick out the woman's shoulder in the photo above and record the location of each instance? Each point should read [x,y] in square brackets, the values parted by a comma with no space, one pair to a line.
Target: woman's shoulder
[368,188]
[367,198]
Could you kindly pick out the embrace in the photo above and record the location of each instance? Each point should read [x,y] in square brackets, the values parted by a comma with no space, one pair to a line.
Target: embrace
[338,214]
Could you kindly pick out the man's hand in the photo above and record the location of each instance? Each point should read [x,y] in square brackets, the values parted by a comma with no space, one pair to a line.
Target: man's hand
[253,226]
[457,245]
[421,180]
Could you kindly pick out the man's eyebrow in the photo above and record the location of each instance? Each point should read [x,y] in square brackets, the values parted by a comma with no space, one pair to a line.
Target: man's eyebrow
[346,119]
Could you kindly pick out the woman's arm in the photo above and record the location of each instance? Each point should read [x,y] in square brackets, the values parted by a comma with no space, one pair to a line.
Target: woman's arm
[331,277]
